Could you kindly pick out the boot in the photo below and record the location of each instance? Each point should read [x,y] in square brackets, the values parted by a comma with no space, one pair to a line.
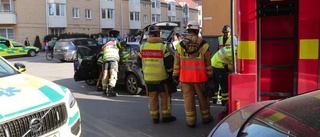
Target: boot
[170,119]
[104,91]
[111,92]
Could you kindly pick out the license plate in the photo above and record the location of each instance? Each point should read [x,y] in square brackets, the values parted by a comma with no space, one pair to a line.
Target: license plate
[54,135]
[58,50]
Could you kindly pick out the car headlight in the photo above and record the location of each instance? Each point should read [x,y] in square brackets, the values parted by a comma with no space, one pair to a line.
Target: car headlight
[72,100]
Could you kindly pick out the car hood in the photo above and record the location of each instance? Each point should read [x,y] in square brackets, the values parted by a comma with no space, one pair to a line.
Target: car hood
[22,93]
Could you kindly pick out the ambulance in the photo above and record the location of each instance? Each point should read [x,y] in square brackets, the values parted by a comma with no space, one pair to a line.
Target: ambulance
[32,106]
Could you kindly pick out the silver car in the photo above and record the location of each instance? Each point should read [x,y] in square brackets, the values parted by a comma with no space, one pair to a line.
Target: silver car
[65,49]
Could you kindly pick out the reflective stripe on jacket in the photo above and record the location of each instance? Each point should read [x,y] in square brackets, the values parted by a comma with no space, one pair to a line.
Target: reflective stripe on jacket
[192,69]
[152,55]
[222,57]
[221,45]
[110,52]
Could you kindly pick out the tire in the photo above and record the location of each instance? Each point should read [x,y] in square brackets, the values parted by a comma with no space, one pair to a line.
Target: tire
[91,82]
[62,60]
[32,53]
[49,56]
[132,84]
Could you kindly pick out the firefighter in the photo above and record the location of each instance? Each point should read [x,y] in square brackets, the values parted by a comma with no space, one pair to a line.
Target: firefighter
[156,63]
[226,38]
[222,65]
[192,67]
[110,74]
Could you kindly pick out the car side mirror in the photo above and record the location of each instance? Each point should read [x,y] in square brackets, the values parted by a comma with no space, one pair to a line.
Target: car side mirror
[21,67]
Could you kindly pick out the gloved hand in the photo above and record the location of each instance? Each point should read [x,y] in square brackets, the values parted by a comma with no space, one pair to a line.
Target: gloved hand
[209,88]
[176,80]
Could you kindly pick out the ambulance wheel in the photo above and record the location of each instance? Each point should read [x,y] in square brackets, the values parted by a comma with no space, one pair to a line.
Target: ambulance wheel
[91,82]
[31,53]
[132,84]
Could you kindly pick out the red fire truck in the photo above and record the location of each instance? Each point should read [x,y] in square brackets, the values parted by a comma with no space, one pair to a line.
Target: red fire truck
[278,51]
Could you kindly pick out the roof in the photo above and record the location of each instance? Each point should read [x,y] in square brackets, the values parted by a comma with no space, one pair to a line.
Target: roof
[191,3]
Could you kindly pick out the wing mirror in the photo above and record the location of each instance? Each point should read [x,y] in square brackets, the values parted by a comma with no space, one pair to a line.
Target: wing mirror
[21,67]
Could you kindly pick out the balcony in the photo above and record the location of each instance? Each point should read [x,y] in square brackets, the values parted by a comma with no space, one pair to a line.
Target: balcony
[8,17]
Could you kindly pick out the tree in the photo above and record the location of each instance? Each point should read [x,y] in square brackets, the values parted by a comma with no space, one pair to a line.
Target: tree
[37,43]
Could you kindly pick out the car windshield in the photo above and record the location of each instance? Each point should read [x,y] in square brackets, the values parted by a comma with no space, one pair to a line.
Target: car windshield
[6,69]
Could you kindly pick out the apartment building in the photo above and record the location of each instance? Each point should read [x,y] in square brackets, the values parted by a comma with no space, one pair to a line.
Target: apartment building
[28,18]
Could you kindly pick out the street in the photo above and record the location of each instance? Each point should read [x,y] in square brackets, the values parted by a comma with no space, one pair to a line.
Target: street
[124,115]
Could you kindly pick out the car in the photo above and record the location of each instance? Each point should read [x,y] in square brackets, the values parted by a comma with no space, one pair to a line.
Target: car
[297,116]
[9,48]
[130,75]
[86,66]
[32,106]
[65,49]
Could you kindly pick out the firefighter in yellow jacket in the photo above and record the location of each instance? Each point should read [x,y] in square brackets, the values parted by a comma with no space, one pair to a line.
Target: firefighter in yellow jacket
[225,40]
[222,62]
[192,67]
[110,60]
[156,62]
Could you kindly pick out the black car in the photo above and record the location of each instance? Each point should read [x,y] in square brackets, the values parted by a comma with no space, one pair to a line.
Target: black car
[86,66]
[130,75]
[298,116]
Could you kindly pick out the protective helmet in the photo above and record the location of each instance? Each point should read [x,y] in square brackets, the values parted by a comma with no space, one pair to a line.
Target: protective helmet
[193,25]
[226,28]
[153,29]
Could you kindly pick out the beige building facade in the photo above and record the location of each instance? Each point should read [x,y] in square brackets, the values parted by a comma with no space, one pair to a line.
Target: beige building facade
[30,18]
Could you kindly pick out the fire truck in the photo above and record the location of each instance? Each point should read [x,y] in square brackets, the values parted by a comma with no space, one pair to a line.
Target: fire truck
[278,50]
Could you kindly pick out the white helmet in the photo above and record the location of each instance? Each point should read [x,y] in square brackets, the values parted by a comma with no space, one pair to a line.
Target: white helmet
[193,25]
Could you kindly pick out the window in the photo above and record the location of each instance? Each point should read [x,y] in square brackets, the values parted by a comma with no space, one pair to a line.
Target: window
[134,16]
[7,33]
[155,4]
[171,18]
[172,6]
[57,9]
[110,13]
[75,12]
[88,14]
[145,18]
[145,5]
[5,6]
[103,13]
[57,31]
[155,18]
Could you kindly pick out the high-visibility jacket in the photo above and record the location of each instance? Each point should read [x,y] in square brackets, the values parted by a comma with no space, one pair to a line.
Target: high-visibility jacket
[110,51]
[192,69]
[153,67]
[228,42]
[222,57]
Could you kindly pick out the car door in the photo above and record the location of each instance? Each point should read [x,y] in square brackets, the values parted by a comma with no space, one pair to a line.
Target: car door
[85,64]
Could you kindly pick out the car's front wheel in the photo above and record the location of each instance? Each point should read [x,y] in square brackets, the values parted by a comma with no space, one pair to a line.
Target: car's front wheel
[32,53]
[132,84]
[91,82]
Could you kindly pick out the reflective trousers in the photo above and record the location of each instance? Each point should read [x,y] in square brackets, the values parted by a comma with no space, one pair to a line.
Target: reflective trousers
[154,91]
[189,90]
[221,79]
[110,74]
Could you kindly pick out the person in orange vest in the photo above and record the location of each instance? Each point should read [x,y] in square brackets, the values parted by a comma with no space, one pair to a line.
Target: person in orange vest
[156,63]
[192,67]
[225,40]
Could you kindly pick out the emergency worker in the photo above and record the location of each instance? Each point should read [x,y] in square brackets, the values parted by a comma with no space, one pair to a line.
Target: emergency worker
[110,74]
[156,63]
[222,65]
[192,67]
[225,40]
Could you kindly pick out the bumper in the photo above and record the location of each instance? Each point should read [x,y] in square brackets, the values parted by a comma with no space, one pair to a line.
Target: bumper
[63,56]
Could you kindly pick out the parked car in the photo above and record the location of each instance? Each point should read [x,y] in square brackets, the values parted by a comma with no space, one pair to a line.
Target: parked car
[32,106]
[130,75]
[10,48]
[297,116]
[65,49]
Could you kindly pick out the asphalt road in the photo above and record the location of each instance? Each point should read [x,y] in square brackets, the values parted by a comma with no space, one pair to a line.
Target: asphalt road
[124,115]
